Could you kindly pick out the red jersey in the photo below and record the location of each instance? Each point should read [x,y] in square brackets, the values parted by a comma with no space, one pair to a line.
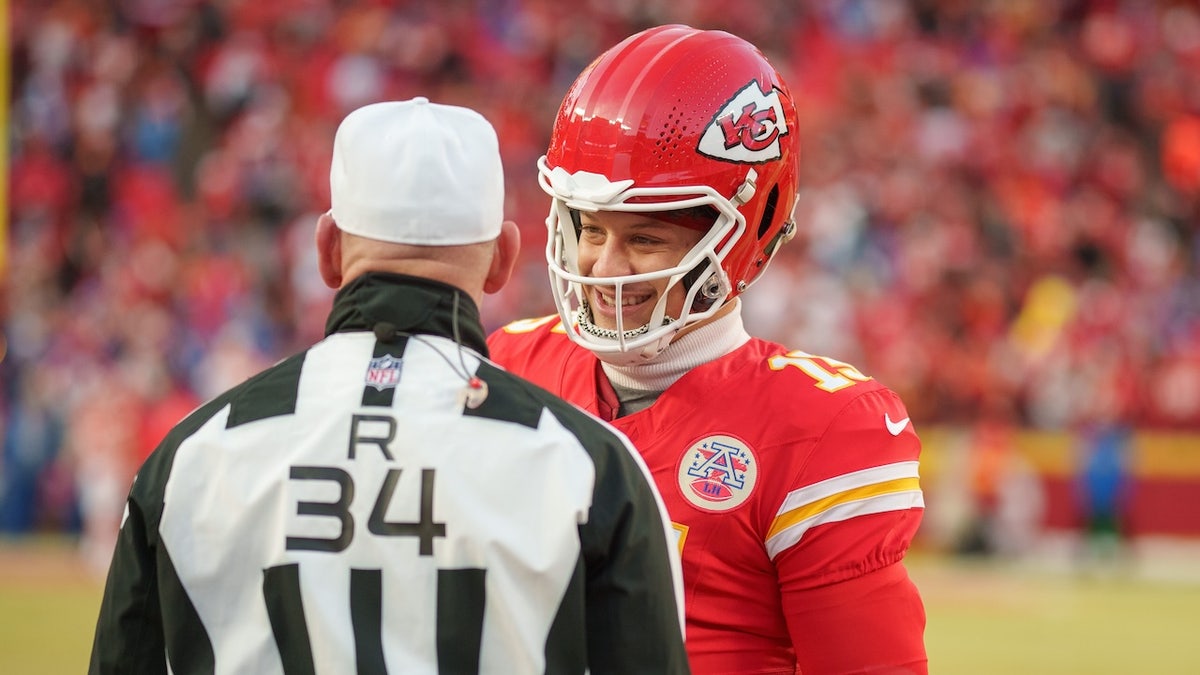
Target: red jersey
[791,480]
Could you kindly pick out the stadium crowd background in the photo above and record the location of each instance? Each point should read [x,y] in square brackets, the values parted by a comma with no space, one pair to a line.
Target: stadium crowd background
[999,212]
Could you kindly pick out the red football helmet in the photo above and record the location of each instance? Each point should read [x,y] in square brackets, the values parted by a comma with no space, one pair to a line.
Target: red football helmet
[674,121]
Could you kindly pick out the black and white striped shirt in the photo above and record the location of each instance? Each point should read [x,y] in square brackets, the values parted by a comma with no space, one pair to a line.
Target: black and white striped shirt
[345,512]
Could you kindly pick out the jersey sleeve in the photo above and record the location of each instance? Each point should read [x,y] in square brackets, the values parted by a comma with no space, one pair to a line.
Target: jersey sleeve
[839,537]
[827,624]
[633,568]
[129,636]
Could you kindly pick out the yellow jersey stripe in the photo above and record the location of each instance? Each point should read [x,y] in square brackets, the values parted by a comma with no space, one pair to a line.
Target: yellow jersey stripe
[530,325]
[894,501]
[847,481]
[819,506]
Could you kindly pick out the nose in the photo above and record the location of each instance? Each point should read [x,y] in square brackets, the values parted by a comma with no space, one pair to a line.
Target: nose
[609,259]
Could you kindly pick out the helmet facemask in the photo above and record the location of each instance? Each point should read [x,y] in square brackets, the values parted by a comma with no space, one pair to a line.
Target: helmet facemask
[699,272]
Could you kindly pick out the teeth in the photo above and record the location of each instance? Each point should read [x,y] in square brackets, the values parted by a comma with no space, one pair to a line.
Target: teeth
[626,300]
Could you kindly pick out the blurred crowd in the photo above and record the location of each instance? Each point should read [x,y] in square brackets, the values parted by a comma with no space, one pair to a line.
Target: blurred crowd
[998,219]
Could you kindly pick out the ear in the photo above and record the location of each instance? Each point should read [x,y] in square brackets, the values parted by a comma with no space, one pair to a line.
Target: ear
[504,259]
[329,250]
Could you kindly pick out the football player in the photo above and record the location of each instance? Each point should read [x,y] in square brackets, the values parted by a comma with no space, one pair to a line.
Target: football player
[791,478]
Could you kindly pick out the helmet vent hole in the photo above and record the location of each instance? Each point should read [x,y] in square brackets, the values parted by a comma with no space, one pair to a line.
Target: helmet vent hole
[670,136]
[768,216]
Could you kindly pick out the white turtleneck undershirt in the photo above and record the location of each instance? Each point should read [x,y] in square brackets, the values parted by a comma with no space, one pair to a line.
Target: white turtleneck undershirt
[639,385]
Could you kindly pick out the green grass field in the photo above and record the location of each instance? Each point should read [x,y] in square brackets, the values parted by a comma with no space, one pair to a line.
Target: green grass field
[983,618]
[992,619]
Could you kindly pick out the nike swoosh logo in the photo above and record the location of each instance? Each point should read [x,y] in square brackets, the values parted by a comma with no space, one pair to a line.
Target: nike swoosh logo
[894,428]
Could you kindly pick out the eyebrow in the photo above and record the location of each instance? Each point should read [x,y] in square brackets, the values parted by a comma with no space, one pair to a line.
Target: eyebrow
[645,223]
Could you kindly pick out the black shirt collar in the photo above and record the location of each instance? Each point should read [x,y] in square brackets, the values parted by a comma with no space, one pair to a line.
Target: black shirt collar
[376,300]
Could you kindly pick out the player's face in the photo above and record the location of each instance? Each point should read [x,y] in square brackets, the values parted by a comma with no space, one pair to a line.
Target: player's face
[613,243]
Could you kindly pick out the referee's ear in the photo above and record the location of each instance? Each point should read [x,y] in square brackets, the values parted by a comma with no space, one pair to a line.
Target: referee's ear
[504,257]
[329,250]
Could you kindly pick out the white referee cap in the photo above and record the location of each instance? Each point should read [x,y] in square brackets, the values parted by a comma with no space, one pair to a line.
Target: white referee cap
[415,172]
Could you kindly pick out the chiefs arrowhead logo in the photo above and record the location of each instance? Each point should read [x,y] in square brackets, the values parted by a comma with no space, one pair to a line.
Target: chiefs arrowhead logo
[747,128]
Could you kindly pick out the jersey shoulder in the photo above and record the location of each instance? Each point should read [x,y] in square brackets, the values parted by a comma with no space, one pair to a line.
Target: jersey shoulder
[822,385]
[848,470]
[270,393]
[832,418]
[826,393]
[539,350]
[517,399]
[524,335]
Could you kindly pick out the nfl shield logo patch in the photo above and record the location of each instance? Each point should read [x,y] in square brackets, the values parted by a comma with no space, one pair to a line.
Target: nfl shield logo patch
[384,372]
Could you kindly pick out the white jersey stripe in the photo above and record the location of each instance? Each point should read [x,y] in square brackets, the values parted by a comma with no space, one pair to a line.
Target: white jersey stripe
[872,490]
[894,501]
[847,481]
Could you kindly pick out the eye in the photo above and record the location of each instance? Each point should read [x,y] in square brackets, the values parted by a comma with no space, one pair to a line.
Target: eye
[590,232]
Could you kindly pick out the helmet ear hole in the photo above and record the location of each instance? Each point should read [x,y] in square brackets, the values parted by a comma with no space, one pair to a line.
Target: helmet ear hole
[709,293]
[710,286]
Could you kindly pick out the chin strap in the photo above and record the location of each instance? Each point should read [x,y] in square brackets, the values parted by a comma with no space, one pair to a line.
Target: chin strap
[583,320]
[583,317]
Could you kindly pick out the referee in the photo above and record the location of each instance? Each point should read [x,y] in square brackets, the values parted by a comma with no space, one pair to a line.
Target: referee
[389,501]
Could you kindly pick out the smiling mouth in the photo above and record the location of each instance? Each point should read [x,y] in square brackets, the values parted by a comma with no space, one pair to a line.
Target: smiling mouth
[608,301]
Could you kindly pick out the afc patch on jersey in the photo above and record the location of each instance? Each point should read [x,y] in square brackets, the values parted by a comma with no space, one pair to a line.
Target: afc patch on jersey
[384,372]
[717,473]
